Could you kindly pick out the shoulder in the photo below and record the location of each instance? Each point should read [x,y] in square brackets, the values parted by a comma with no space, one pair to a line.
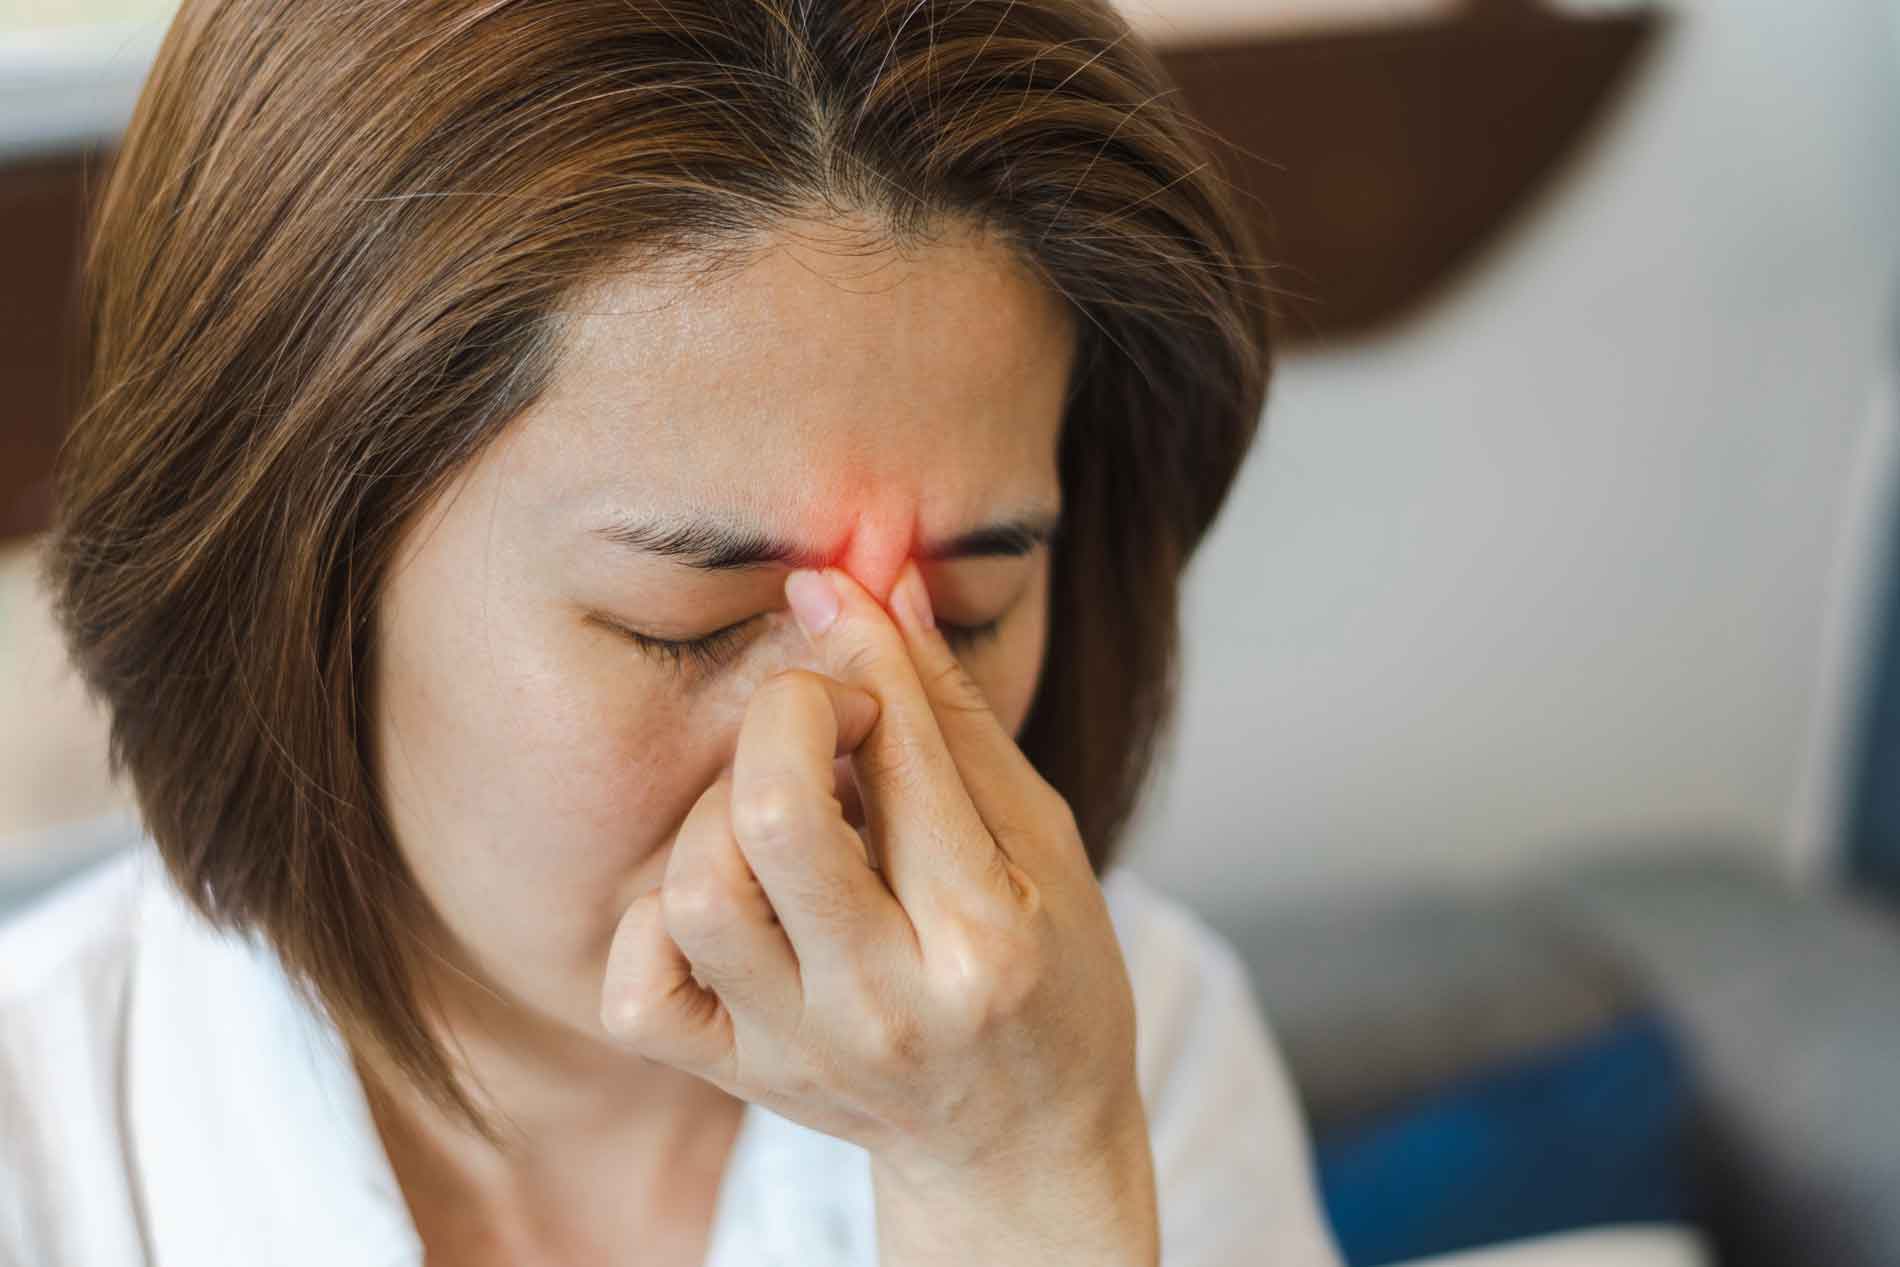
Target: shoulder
[65,967]
[64,962]
[75,934]
[1189,984]
[1233,1164]
[1173,955]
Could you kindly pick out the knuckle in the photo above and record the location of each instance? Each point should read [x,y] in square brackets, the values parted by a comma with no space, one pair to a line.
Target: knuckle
[694,908]
[1023,890]
[896,763]
[994,976]
[885,1032]
[728,977]
[951,685]
[894,1040]
[631,1018]
[863,656]
[831,904]
[770,811]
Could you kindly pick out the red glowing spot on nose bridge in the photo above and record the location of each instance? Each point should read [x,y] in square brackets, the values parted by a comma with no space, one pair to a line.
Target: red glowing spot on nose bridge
[843,552]
[874,549]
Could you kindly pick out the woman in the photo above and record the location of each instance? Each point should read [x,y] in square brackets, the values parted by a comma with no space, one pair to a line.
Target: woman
[632,552]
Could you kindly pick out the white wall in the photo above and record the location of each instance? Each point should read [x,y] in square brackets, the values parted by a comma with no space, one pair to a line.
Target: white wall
[68,85]
[1546,574]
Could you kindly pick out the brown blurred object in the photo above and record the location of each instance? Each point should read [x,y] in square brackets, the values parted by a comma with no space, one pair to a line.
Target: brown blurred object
[1381,158]
[42,206]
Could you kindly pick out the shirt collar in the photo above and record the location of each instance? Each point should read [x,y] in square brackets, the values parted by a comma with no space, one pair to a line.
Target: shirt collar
[250,1134]
[253,1142]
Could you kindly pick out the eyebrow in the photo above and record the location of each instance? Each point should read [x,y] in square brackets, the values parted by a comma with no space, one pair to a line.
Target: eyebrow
[721,545]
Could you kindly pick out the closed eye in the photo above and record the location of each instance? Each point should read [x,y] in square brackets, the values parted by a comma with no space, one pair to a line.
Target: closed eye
[969,635]
[709,653]
[714,651]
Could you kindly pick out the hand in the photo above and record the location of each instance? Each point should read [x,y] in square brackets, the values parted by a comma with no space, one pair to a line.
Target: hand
[949,993]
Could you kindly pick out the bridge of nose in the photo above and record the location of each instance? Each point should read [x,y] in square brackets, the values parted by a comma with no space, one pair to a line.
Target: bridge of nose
[874,553]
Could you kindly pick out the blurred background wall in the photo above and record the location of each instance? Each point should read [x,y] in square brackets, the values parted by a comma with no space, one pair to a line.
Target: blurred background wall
[1574,561]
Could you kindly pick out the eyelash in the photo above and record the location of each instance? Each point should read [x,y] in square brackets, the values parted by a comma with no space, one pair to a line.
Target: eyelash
[716,649]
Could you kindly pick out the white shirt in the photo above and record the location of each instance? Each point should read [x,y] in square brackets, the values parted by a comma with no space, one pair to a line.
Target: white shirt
[167,1098]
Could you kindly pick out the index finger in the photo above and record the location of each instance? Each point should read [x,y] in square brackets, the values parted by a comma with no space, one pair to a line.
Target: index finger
[1008,790]
[937,852]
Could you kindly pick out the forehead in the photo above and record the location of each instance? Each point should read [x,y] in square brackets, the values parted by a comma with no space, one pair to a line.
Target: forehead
[829,371]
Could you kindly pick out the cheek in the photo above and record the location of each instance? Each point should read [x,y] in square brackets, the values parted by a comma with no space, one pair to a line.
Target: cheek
[538,753]
[1010,668]
[536,785]
[627,751]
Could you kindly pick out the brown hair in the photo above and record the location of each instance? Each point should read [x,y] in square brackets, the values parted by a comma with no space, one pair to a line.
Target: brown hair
[324,273]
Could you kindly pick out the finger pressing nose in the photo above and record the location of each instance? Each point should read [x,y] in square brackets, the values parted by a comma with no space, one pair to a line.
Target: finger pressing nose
[935,846]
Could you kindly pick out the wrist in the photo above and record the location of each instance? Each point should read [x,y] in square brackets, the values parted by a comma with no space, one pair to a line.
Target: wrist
[1080,1191]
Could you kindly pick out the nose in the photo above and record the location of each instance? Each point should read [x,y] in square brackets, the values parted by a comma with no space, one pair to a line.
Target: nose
[880,540]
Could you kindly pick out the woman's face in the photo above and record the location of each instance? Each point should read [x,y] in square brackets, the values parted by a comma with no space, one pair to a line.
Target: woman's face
[536,760]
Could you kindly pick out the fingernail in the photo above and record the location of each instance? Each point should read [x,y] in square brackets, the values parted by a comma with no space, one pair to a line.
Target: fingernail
[814,602]
[914,597]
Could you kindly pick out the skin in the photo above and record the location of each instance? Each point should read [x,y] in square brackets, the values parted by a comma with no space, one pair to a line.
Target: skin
[655,878]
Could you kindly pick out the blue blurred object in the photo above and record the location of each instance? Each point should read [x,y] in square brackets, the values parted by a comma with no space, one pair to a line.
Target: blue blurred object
[1591,1133]
[1873,817]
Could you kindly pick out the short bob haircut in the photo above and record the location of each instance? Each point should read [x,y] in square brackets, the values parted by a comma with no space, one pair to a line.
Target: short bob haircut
[327,267]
